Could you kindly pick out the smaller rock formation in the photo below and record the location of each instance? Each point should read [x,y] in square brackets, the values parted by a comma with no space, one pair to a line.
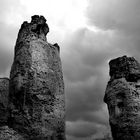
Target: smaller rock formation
[122,96]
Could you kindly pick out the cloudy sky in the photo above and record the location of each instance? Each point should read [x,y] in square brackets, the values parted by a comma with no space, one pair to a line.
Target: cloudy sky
[90,33]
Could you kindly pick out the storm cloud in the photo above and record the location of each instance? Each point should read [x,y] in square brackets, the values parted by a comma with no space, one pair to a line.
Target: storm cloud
[86,72]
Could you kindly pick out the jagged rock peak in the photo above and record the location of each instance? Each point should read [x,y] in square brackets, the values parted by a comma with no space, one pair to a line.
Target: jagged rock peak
[126,67]
[38,19]
[36,29]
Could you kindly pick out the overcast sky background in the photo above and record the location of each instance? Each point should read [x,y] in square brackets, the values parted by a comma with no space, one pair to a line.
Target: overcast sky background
[90,33]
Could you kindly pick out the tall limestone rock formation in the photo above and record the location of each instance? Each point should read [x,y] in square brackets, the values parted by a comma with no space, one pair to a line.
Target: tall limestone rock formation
[123,98]
[32,103]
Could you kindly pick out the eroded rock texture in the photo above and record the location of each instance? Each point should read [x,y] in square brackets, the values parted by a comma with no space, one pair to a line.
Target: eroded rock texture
[6,133]
[36,100]
[4,93]
[123,98]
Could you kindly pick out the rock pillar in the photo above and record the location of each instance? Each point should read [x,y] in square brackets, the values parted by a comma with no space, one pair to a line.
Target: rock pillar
[123,98]
[36,100]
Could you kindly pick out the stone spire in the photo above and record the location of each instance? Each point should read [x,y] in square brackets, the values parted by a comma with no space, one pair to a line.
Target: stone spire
[36,98]
[37,28]
[122,96]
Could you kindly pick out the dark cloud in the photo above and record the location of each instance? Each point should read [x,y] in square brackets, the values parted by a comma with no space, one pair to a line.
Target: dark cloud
[122,17]
[83,129]
[85,67]
[77,129]
[86,52]
[86,71]
[70,137]
[85,62]
[84,97]
[116,14]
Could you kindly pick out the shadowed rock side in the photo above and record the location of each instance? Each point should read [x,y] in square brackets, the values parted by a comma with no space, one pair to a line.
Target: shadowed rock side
[4,93]
[6,133]
[36,98]
[123,98]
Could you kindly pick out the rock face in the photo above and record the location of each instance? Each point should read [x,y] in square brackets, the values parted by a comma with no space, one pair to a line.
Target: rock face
[6,133]
[123,98]
[4,93]
[32,103]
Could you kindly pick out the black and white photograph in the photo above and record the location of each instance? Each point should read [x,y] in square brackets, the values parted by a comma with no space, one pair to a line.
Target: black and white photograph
[69,69]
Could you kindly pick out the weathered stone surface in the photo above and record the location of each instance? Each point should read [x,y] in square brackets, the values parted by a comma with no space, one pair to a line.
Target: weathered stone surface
[7,133]
[123,98]
[126,67]
[36,100]
[4,93]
